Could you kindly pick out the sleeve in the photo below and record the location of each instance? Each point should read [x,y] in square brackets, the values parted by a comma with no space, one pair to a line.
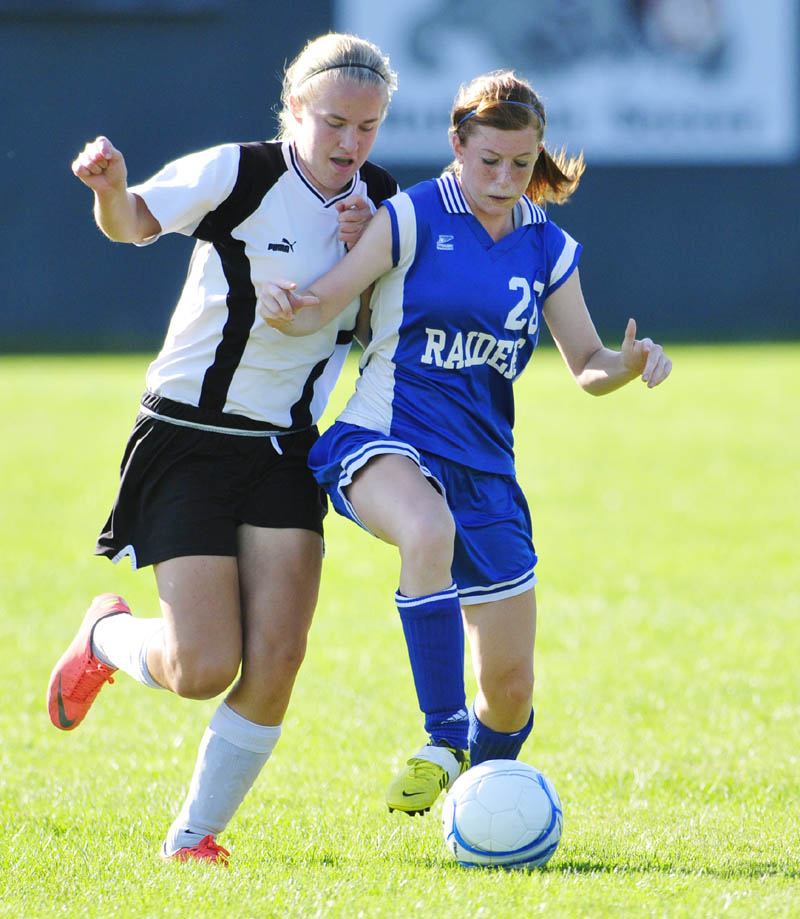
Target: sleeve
[380,185]
[563,255]
[181,194]
[404,229]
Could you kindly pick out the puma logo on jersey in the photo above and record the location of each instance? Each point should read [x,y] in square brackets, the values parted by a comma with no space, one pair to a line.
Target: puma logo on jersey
[283,246]
[445,242]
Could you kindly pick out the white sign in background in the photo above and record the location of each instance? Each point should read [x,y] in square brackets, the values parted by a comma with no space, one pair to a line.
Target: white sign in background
[648,81]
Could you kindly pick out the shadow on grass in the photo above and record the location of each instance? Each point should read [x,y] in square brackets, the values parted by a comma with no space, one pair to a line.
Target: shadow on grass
[745,870]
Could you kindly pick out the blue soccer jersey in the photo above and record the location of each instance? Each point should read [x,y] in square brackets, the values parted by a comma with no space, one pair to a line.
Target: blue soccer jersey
[454,323]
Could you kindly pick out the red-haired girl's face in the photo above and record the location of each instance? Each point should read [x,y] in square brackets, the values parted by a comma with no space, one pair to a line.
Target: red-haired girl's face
[496,168]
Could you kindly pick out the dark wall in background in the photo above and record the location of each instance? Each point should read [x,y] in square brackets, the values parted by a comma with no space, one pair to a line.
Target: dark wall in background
[706,253]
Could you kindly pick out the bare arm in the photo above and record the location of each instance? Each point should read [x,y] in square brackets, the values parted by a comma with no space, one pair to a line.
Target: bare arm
[597,369]
[120,214]
[304,313]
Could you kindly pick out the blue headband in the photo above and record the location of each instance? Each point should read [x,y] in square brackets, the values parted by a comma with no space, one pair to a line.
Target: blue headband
[506,102]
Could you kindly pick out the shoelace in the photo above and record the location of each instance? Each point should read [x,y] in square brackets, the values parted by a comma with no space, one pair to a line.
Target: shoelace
[208,848]
[91,681]
[421,767]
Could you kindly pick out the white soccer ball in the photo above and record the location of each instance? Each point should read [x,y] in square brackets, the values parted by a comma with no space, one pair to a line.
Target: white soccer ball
[502,813]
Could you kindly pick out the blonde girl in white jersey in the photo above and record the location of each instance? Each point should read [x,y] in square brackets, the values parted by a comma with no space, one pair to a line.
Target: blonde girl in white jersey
[215,492]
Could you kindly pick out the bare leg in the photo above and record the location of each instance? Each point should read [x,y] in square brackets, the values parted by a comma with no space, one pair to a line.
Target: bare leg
[279,572]
[400,506]
[501,637]
[201,645]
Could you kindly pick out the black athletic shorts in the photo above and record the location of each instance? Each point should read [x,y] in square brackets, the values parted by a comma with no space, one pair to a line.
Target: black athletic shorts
[185,491]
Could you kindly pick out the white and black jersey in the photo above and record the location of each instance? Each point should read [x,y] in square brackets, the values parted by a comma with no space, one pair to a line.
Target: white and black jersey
[255,216]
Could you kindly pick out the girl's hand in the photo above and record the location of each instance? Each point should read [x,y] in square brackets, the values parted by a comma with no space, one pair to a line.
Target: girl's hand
[101,166]
[354,217]
[645,357]
[278,303]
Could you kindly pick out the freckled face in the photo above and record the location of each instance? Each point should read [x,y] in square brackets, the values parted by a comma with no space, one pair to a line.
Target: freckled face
[496,167]
[335,133]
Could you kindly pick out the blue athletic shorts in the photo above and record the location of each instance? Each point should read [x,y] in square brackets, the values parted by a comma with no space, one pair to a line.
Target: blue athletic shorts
[494,552]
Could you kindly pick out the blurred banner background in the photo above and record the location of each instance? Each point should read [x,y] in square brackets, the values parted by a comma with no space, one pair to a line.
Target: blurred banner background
[686,110]
[627,81]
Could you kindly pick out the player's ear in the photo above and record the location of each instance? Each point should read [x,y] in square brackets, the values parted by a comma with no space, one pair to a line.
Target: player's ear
[458,146]
[296,108]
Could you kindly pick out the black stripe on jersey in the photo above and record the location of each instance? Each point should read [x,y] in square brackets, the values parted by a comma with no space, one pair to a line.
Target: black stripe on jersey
[380,185]
[301,410]
[260,167]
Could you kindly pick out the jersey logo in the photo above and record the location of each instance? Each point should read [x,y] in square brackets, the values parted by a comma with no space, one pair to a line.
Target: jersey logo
[283,246]
[445,242]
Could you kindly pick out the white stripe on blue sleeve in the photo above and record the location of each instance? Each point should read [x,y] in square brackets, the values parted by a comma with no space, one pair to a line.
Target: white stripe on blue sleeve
[564,264]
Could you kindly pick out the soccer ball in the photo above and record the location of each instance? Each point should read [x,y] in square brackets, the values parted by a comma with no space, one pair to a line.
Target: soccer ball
[502,813]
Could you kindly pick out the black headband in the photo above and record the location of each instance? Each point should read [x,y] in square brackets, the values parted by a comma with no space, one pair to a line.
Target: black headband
[340,67]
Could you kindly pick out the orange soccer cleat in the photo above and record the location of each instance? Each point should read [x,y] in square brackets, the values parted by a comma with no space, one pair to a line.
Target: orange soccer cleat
[206,850]
[79,676]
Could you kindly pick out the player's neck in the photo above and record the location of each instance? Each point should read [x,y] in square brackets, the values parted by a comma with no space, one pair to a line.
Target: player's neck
[497,224]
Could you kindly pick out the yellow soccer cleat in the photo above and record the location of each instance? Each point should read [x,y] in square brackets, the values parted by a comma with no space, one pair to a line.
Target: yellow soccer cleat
[426,775]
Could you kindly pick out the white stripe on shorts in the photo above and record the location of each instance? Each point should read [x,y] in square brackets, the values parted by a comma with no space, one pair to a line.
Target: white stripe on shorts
[359,458]
[501,591]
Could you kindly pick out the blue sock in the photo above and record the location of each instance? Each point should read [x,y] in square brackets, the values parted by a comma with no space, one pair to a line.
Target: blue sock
[434,634]
[484,743]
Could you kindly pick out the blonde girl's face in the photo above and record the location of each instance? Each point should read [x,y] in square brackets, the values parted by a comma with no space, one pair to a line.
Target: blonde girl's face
[496,167]
[335,132]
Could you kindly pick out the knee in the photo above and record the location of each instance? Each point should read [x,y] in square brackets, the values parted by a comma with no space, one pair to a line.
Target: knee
[510,691]
[201,682]
[277,660]
[201,673]
[291,656]
[429,535]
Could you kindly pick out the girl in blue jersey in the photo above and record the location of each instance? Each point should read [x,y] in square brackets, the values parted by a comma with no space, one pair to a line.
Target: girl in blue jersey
[467,266]
[215,490]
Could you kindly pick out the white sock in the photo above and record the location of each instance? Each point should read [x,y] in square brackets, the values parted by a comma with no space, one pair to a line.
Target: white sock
[231,755]
[122,641]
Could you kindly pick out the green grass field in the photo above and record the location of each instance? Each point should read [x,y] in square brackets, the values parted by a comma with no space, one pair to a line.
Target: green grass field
[667,697]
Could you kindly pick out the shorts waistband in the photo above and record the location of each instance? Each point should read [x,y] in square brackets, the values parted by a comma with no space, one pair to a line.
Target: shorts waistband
[191,416]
